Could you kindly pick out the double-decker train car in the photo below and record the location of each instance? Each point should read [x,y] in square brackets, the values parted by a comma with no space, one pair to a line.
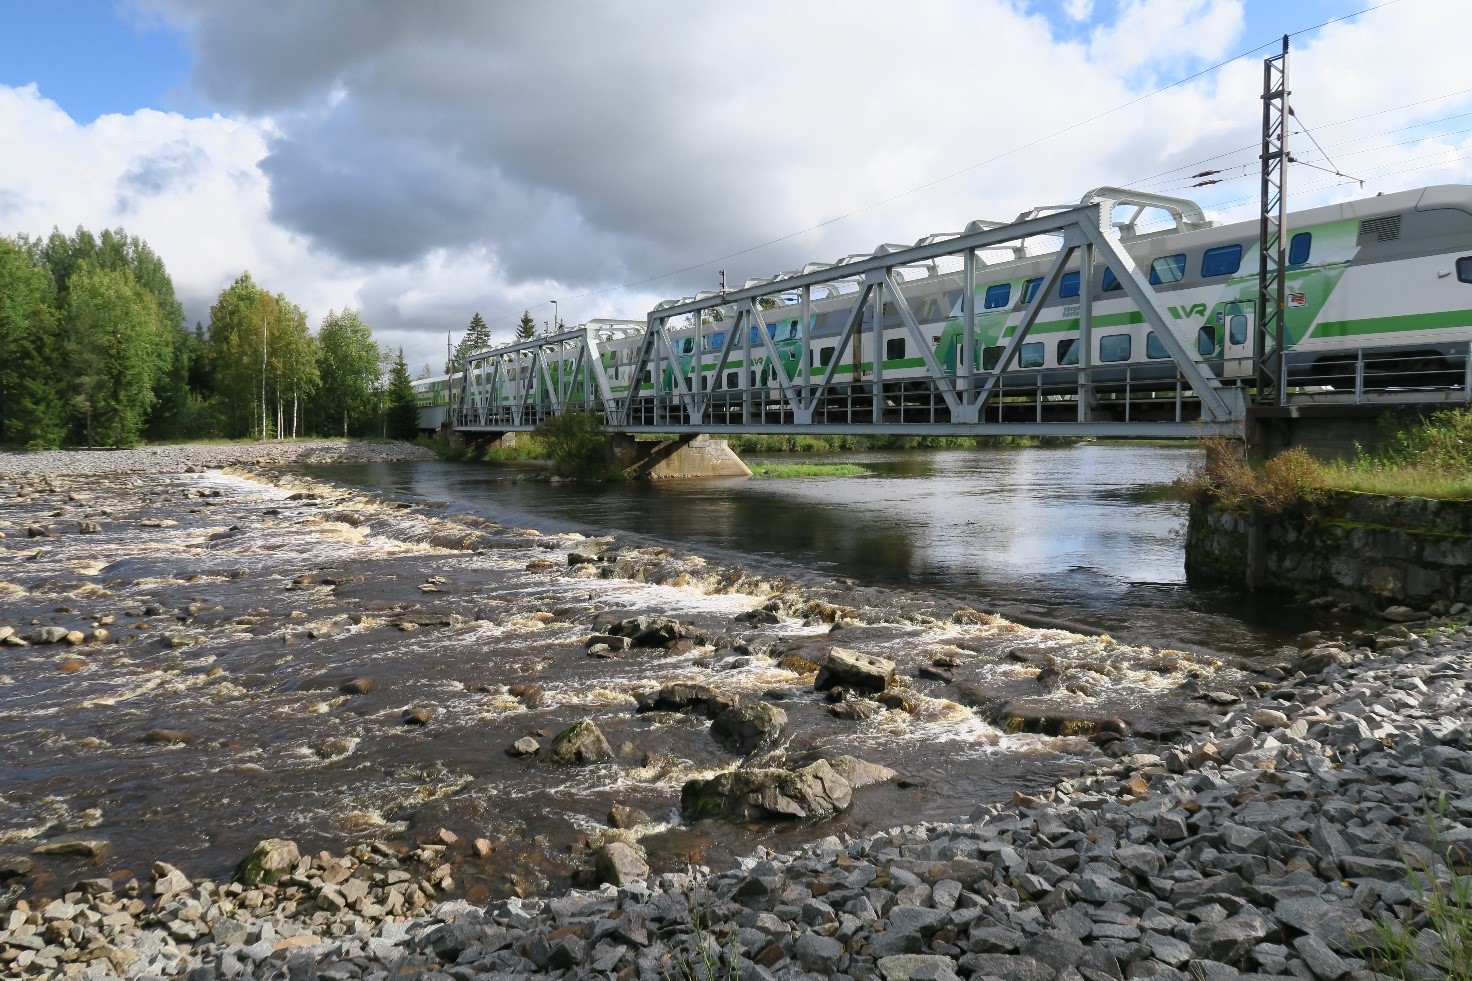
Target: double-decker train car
[1380,286]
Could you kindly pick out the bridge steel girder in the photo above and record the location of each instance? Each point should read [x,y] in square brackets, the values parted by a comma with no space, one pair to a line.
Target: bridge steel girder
[1087,230]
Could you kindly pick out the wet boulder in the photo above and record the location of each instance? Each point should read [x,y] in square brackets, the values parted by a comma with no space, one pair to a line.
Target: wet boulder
[648,631]
[860,773]
[268,861]
[814,791]
[620,864]
[747,727]
[580,744]
[523,747]
[687,697]
[856,670]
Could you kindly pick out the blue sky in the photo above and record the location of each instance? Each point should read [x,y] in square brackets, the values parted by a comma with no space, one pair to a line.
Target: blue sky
[92,59]
[424,161]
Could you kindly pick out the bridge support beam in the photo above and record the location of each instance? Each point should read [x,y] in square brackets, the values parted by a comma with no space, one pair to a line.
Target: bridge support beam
[693,455]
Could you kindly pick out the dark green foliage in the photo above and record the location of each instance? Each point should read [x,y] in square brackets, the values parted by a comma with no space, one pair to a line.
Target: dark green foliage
[477,338]
[578,446]
[31,413]
[403,410]
[527,329]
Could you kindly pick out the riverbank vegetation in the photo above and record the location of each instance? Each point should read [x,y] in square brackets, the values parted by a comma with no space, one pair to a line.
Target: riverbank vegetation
[1431,458]
[785,471]
[95,351]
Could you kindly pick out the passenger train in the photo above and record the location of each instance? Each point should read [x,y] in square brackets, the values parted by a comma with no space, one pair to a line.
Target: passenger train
[1383,281]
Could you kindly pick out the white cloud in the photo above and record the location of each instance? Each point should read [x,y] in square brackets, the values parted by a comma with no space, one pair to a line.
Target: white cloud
[424,163]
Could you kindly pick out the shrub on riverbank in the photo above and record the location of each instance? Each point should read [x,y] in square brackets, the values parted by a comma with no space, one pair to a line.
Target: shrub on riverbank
[1432,458]
[1227,477]
[578,446]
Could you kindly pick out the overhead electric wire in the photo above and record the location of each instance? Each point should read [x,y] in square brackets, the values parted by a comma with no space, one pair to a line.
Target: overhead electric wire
[964,170]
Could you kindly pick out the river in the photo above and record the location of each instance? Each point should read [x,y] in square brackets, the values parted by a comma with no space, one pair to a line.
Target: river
[1085,534]
[217,713]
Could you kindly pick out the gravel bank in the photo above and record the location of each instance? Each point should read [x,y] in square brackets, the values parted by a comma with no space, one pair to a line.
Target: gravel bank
[177,458]
[1271,846]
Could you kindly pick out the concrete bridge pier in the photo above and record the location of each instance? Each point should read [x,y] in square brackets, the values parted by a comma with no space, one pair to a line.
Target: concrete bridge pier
[695,455]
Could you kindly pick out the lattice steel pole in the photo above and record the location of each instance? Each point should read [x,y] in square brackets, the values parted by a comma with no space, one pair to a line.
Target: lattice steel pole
[1272,267]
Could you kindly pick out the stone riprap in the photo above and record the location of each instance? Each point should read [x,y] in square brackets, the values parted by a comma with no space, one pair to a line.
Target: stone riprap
[181,458]
[1271,846]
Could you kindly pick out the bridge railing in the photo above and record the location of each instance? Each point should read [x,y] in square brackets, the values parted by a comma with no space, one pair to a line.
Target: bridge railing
[1362,376]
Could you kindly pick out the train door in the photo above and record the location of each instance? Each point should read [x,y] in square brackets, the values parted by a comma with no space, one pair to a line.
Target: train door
[1239,329]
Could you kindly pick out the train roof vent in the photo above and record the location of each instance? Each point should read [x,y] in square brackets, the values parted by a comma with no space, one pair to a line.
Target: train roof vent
[1383,229]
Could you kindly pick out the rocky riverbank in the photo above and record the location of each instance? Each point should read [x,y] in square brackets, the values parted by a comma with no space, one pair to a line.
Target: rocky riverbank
[181,457]
[478,712]
[1277,844]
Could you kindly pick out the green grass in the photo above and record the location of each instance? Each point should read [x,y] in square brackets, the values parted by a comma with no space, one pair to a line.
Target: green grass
[785,471]
[1431,457]
[1443,906]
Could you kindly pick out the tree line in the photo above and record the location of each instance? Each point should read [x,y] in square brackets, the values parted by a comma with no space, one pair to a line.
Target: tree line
[95,351]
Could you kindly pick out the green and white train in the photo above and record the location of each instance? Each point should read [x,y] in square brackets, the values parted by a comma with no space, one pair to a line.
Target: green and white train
[1379,293]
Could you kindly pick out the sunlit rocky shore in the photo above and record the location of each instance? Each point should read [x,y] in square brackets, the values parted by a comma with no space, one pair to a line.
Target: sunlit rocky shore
[268,727]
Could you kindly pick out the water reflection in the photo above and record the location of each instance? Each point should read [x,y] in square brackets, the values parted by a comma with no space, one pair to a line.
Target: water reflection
[1082,533]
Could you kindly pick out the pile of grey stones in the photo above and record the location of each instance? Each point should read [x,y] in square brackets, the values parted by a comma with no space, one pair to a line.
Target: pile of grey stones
[1279,844]
[188,457]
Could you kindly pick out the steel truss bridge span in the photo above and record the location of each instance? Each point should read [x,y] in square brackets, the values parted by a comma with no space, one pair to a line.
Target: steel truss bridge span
[671,373]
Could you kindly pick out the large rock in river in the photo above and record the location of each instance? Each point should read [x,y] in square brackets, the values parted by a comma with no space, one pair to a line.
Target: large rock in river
[684,696]
[815,791]
[581,743]
[267,862]
[852,669]
[748,727]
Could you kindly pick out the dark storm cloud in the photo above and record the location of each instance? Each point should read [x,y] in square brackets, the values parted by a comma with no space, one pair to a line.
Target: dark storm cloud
[559,141]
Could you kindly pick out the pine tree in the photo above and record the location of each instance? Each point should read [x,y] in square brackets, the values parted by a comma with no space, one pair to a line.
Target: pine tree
[403,409]
[477,338]
[527,328]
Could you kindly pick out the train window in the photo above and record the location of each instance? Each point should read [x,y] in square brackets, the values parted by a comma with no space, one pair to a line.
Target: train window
[1171,268]
[1030,355]
[648,377]
[1299,247]
[1464,269]
[792,331]
[1115,347]
[1068,352]
[1155,347]
[753,379]
[687,345]
[997,296]
[1030,289]
[1111,281]
[990,357]
[1237,329]
[1068,285]
[733,379]
[718,340]
[894,349]
[825,355]
[1223,260]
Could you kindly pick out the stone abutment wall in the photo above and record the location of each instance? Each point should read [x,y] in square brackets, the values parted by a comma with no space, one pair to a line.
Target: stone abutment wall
[1372,552]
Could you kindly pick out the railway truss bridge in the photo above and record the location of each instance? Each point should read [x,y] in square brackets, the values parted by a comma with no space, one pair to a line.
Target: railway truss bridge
[640,380]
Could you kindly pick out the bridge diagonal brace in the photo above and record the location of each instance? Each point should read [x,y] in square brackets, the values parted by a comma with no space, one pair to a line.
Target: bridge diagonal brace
[553,394]
[594,359]
[1034,309]
[1214,406]
[855,316]
[912,327]
[789,394]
